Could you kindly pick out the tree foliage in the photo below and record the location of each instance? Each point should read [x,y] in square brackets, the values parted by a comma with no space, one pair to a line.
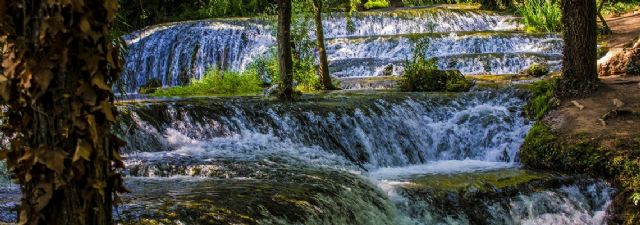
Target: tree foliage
[59,65]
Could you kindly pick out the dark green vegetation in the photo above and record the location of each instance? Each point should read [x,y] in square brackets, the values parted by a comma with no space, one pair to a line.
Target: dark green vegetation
[542,100]
[140,13]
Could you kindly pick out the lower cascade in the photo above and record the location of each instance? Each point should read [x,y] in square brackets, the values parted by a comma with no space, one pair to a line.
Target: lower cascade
[342,158]
[349,158]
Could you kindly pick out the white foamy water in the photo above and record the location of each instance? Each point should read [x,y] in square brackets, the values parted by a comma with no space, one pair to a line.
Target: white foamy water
[438,167]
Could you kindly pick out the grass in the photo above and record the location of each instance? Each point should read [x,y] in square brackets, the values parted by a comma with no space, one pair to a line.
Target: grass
[541,15]
[433,2]
[217,82]
[376,4]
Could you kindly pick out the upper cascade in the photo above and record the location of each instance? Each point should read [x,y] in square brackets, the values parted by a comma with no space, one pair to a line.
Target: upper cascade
[178,52]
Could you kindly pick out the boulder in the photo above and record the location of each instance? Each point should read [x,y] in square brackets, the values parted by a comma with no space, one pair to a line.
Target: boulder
[622,61]
[151,86]
[537,70]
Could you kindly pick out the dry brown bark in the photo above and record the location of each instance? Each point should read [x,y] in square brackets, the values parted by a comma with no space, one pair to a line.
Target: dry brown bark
[59,65]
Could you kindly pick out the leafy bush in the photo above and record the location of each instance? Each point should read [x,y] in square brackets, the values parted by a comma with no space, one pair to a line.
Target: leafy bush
[304,73]
[217,82]
[376,4]
[636,198]
[537,70]
[541,15]
[423,75]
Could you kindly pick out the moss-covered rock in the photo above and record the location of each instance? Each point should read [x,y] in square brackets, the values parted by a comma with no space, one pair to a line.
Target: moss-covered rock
[424,75]
[288,196]
[537,70]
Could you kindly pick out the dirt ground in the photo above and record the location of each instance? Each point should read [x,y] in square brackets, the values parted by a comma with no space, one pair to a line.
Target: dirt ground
[591,119]
[626,29]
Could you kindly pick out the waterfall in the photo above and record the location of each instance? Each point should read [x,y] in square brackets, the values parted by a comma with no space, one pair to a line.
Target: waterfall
[383,131]
[433,158]
[341,158]
[177,52]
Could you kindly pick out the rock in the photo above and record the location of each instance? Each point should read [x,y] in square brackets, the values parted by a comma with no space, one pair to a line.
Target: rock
[388,70]
[620,62]
[618,103]
[577,104]
[151,86]
[537,70]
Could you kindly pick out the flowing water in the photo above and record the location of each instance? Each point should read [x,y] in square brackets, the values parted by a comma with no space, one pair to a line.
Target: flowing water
[366,157]
[472,41]
[342,158]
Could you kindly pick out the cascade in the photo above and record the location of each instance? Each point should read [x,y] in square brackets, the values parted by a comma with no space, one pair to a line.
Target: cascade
[341,158]
[479,42]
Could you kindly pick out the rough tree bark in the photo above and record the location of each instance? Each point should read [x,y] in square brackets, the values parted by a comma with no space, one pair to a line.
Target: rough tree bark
[58,69]
[323,70]
[579,71]
[285,59]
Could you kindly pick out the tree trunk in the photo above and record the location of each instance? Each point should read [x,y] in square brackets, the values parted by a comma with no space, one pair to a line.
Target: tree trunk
[59,66]
[323,70]
[284,49]
[579,71]
[605,26]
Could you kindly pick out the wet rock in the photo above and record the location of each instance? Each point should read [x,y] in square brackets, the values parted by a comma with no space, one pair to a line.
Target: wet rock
[388,70]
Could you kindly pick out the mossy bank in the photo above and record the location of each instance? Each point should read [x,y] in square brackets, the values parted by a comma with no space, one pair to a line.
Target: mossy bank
[612,154]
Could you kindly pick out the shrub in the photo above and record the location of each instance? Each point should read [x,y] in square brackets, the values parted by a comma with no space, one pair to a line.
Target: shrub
[151,86]
[376,4]
[423,75]
[217,82]
[541,15]
[537,70]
